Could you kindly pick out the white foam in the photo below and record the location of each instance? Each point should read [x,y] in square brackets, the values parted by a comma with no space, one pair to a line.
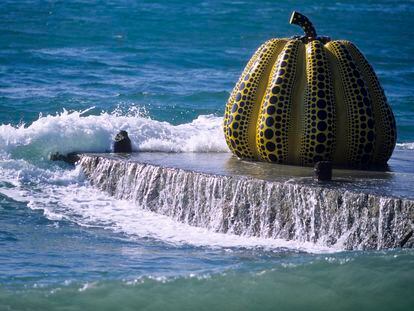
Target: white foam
[406,146]
[75,131]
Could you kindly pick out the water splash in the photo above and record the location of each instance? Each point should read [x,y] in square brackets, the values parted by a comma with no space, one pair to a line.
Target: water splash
[78,131]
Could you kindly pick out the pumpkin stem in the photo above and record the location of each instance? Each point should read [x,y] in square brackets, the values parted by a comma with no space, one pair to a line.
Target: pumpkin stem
[304,22]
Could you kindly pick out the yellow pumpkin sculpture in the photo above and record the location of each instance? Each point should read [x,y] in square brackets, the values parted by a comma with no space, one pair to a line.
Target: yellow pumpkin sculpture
[308,99]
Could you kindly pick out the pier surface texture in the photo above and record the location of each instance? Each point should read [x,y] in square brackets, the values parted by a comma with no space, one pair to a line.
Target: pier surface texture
[357,210]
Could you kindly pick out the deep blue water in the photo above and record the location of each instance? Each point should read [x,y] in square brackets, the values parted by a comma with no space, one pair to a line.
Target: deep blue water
[75,72]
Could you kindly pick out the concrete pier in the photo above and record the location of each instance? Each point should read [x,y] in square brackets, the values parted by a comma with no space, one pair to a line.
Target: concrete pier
[356,210]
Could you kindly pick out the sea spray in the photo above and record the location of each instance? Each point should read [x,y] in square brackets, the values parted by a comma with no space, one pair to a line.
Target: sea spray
[71,131]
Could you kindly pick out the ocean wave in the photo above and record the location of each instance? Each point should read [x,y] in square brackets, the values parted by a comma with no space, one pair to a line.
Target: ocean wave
[76,131]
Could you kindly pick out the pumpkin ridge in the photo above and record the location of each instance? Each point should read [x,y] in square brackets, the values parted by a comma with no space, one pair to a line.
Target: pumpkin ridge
[341,113]
[232,97]
[272,126]
[385,122]
[274,52]
[298,106]
[244,106]
[318,135]
[361,134]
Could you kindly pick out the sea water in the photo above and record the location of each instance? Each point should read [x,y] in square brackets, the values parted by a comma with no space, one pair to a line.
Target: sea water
[73,73]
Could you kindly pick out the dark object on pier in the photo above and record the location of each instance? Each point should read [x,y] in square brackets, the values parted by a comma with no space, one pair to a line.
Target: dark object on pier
[70,158]
[122,143]
[323,170]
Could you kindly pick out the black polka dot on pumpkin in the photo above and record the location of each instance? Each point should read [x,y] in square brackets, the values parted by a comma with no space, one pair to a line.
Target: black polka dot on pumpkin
[322,125]
[321,137]
[270,121]
[268,133]
[321,103]
[272,158]
[271,110]
[322,114]
[270,146]
[276,90]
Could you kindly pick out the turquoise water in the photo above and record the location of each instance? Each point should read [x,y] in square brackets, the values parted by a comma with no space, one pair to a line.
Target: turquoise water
[72,74]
